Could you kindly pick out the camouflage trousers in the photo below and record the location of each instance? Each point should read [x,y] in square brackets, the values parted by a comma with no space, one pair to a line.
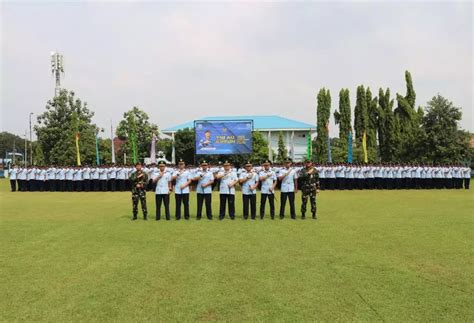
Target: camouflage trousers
[312,200]
[139,196]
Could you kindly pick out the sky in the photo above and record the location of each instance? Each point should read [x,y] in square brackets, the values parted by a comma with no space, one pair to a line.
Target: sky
[180,61]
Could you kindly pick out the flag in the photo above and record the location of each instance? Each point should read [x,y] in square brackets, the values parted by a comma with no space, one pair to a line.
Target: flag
[112,140]
[349,148]
[78,153]
[309,146]
[329,144]
[364,147]
[292,145]
[270,151]
[152,149]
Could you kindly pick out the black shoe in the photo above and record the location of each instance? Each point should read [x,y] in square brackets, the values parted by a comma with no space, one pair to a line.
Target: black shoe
[134,218]
[198,219]
[210,219]
[293,217]
[145,218]
[272,217]
[221,218]
[177,219]
[157,219]
[233,218]
[282,217]
[167,219]
[187,219]
[303,217]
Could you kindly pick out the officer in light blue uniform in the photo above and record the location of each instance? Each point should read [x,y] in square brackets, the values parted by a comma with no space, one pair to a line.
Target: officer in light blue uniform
[13,174]
[289,186]
[183,178]
[249,181]
[205,179]
[268,179]
[162,191]
[228,180]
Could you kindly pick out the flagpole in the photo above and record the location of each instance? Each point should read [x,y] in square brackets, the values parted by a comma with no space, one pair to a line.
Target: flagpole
[112,140]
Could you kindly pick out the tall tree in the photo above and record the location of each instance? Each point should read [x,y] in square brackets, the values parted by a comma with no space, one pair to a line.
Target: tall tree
[343,117]
[65,115]
[282,151]
[386,127]
[323,113]
[139,120]
[360,114]
[372,116]
[407,120]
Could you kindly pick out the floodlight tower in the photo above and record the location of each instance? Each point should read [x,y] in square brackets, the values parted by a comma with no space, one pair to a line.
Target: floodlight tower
[57,67]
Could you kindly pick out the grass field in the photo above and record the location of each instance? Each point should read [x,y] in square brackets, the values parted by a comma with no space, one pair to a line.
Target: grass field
[371,256]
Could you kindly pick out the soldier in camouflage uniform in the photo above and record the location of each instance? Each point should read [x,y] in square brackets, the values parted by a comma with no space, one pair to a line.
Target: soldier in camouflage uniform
[309,184]
[139,181]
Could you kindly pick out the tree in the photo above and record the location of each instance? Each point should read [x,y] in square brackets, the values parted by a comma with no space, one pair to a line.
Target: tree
[56,130]
[372,116]
[184,142]
[11,143]
[360,114]
[282,152]
[407,121]
[386,127]
[343,119]
[444,142]
[323,112]
[137,120]
[260,147]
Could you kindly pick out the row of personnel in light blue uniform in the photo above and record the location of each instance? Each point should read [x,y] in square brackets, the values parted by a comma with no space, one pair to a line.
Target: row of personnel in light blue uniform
[226,178]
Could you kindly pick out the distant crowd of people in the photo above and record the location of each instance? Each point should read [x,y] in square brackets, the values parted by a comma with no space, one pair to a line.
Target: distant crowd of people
[113,178]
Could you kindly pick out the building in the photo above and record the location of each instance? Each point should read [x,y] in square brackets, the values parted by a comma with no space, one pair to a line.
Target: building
[295,133]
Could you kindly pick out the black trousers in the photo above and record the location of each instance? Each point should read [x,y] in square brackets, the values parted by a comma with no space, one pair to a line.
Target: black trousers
[250,199]
[207,198]
[227,199]
[165,198]
[103,185]
[121,185]
[40,185]
[61,185]
[113,185]
[467,181]
[78,186]
[86,185]
[52,185]
[182,199]
[271,201]
[69,185]
[13,185]
[291,198]
[95,185]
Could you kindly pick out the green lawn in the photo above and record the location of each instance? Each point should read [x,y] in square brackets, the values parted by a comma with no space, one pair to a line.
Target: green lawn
[371,256]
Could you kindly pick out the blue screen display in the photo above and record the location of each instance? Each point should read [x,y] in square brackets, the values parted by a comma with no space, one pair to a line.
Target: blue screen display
[223,137]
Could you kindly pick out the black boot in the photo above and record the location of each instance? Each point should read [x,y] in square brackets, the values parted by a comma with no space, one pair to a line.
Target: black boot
[134,217]
[303,216]
[314,216]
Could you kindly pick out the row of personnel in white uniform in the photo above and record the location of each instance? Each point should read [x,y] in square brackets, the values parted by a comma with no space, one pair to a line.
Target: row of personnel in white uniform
[100,173]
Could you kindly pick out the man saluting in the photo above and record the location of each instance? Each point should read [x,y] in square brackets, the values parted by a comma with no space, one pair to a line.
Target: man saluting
[138,181]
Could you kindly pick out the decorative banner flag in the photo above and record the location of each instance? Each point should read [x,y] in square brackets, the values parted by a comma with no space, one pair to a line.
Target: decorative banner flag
[292,147]
[97,156]
[112,140]
[78,153]
[270,151]
[152,150]
[364,147]
[329,144]
[349,148]
[309,148]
